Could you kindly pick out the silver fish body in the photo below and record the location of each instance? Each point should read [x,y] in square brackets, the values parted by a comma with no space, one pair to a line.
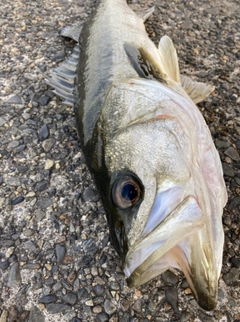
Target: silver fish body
[150,152]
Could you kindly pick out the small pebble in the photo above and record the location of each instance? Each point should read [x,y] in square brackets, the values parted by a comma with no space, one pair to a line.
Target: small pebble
[232,153]
[49,164]
[44,100]
[17,200]
[53,308]
[44,132]
[15,99]
[102,317]
[60,253]
[70,298]
[48,299]
[14,275]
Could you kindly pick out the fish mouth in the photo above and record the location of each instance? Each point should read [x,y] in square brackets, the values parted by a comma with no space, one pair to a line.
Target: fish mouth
[176,242]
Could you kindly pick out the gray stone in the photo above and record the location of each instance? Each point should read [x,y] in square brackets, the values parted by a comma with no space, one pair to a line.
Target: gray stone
[56,287]
[114,286]
[222,144]
[49,281]
[185,316]
[82,294]
[26,116]
[31,266]
[125,317]
[28,232]
[205,317]
[70,298]
[48,299]
[60,253]
[232,277]
[29,245]
[232,153]
[44,203]
[228,170]
[8,243]
[109,307]
[15,99]
[234,203]
[44,100]
[36,315]
[170,278]
[102,317]
[4,265]
[235,262]
[14,275]
[98,289]
[137,306]
[13,144]
[44,132]
[90,194]
[39,214]
[221,295]
[57,308]
[48,144]
[171,294]
[59,56]
[2,121]
[17,200]
[89,245]
[41,186]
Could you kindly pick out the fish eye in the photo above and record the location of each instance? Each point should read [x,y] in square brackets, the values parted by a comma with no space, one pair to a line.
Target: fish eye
[126,192]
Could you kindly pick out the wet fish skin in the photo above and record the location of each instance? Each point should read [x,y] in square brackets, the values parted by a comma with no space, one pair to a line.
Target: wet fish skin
[150,151]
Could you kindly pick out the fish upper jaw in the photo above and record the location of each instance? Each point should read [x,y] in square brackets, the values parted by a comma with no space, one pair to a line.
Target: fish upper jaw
[177,241]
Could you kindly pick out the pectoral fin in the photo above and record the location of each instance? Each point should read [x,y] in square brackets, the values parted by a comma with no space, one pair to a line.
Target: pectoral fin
[169,59]
[196,90]
[145,64]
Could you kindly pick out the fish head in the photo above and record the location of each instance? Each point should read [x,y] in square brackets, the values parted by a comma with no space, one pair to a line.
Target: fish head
[161,208]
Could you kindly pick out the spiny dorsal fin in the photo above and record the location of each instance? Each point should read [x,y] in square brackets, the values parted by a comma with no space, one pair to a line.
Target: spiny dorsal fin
[196,90]
[169,59]
[144,14]
[72,32]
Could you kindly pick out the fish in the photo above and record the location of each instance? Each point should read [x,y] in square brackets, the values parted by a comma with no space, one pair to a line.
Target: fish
[148,148]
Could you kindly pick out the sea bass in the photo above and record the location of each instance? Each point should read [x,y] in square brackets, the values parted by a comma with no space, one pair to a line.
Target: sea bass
[148,148]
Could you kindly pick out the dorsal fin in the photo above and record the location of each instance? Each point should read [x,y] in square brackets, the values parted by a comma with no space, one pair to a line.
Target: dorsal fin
[72,32]
[144,14]
[169,59]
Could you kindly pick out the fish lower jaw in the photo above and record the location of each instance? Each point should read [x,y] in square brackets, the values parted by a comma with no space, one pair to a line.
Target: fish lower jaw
[204,286]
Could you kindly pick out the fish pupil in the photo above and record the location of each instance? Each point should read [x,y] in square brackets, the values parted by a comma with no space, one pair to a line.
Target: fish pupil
[129,192]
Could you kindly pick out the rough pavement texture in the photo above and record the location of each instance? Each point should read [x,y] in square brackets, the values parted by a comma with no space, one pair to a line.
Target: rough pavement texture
[56,262]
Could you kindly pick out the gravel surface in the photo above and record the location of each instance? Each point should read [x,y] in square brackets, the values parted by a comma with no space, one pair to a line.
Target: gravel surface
[56,262]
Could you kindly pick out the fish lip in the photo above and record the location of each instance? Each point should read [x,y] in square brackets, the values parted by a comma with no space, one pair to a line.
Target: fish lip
[201,273]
